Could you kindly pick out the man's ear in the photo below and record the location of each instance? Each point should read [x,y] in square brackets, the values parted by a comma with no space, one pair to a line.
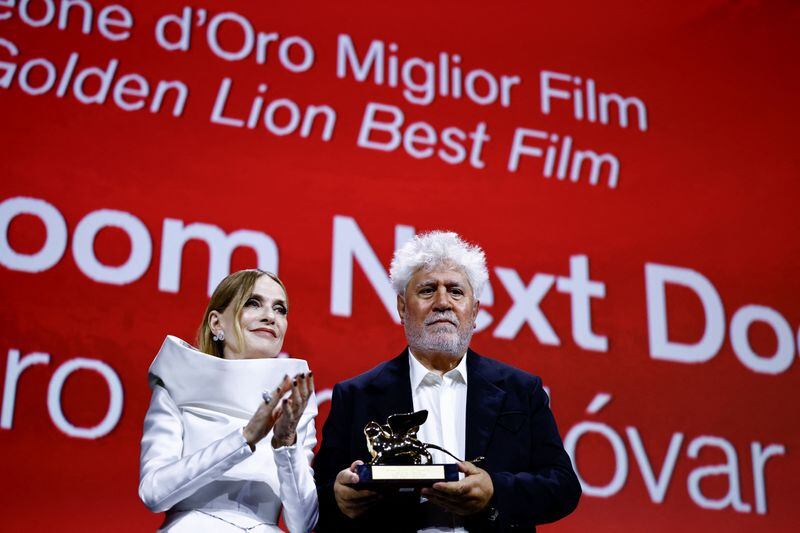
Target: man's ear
[401,308]
[476,306]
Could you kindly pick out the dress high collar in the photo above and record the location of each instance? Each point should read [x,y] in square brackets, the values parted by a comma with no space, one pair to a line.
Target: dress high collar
[196,379]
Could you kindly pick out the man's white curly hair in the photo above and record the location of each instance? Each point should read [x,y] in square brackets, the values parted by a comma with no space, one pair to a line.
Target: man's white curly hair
[429,250]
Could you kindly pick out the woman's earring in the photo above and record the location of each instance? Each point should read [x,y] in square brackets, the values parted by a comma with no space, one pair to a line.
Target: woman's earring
[219,336]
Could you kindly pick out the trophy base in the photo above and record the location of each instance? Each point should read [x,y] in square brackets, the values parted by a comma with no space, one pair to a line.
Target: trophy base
[376,477]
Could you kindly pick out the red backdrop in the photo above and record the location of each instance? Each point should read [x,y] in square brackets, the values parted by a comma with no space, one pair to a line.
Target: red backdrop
[672,364]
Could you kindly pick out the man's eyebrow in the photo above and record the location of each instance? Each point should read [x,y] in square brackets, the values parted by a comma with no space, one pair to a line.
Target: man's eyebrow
[446,283]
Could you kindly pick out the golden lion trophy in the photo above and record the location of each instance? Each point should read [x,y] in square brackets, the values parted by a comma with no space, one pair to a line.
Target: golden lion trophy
[399,459]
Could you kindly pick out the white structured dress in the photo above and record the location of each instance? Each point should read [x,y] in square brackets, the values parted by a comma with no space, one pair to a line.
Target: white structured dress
[195,463]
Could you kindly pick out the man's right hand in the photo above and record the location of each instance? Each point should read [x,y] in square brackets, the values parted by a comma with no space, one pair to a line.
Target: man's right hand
[353,503]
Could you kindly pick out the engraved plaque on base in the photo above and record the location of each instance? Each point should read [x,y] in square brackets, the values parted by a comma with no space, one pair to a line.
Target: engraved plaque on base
[404,476]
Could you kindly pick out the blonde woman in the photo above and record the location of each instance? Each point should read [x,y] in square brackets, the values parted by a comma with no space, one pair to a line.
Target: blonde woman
[229,434]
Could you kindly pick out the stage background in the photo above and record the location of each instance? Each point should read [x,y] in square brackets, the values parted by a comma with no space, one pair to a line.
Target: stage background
[693,200]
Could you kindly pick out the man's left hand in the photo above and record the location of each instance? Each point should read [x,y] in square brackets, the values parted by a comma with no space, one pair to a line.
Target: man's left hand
[465,497]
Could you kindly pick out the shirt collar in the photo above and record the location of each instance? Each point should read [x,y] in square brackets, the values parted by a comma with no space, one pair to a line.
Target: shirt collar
[418,372]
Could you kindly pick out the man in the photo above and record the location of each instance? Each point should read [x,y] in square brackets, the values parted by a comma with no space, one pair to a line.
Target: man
[477,407]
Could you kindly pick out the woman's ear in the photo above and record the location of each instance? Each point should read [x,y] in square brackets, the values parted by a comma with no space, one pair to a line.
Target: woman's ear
[214,321]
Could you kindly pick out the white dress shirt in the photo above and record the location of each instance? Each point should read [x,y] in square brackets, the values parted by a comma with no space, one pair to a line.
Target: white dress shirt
[445,399]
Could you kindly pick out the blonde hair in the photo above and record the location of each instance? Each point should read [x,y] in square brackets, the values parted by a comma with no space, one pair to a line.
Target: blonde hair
[234,290]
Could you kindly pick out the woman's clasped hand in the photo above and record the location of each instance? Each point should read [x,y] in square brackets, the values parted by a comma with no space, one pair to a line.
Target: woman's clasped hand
[282,412]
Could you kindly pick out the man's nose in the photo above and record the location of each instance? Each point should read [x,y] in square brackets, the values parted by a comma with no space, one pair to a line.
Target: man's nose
[442,300]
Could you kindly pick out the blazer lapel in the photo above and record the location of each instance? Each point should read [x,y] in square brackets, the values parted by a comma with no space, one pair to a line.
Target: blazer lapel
[390,391]
[484,402]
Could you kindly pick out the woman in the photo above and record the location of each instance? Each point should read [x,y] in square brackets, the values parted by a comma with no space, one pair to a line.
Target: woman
[205,458]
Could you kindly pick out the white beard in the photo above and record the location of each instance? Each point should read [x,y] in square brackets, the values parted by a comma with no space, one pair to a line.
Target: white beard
[439,338]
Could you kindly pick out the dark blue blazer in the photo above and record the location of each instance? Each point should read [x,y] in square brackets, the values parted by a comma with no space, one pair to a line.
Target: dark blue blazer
[509,422]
